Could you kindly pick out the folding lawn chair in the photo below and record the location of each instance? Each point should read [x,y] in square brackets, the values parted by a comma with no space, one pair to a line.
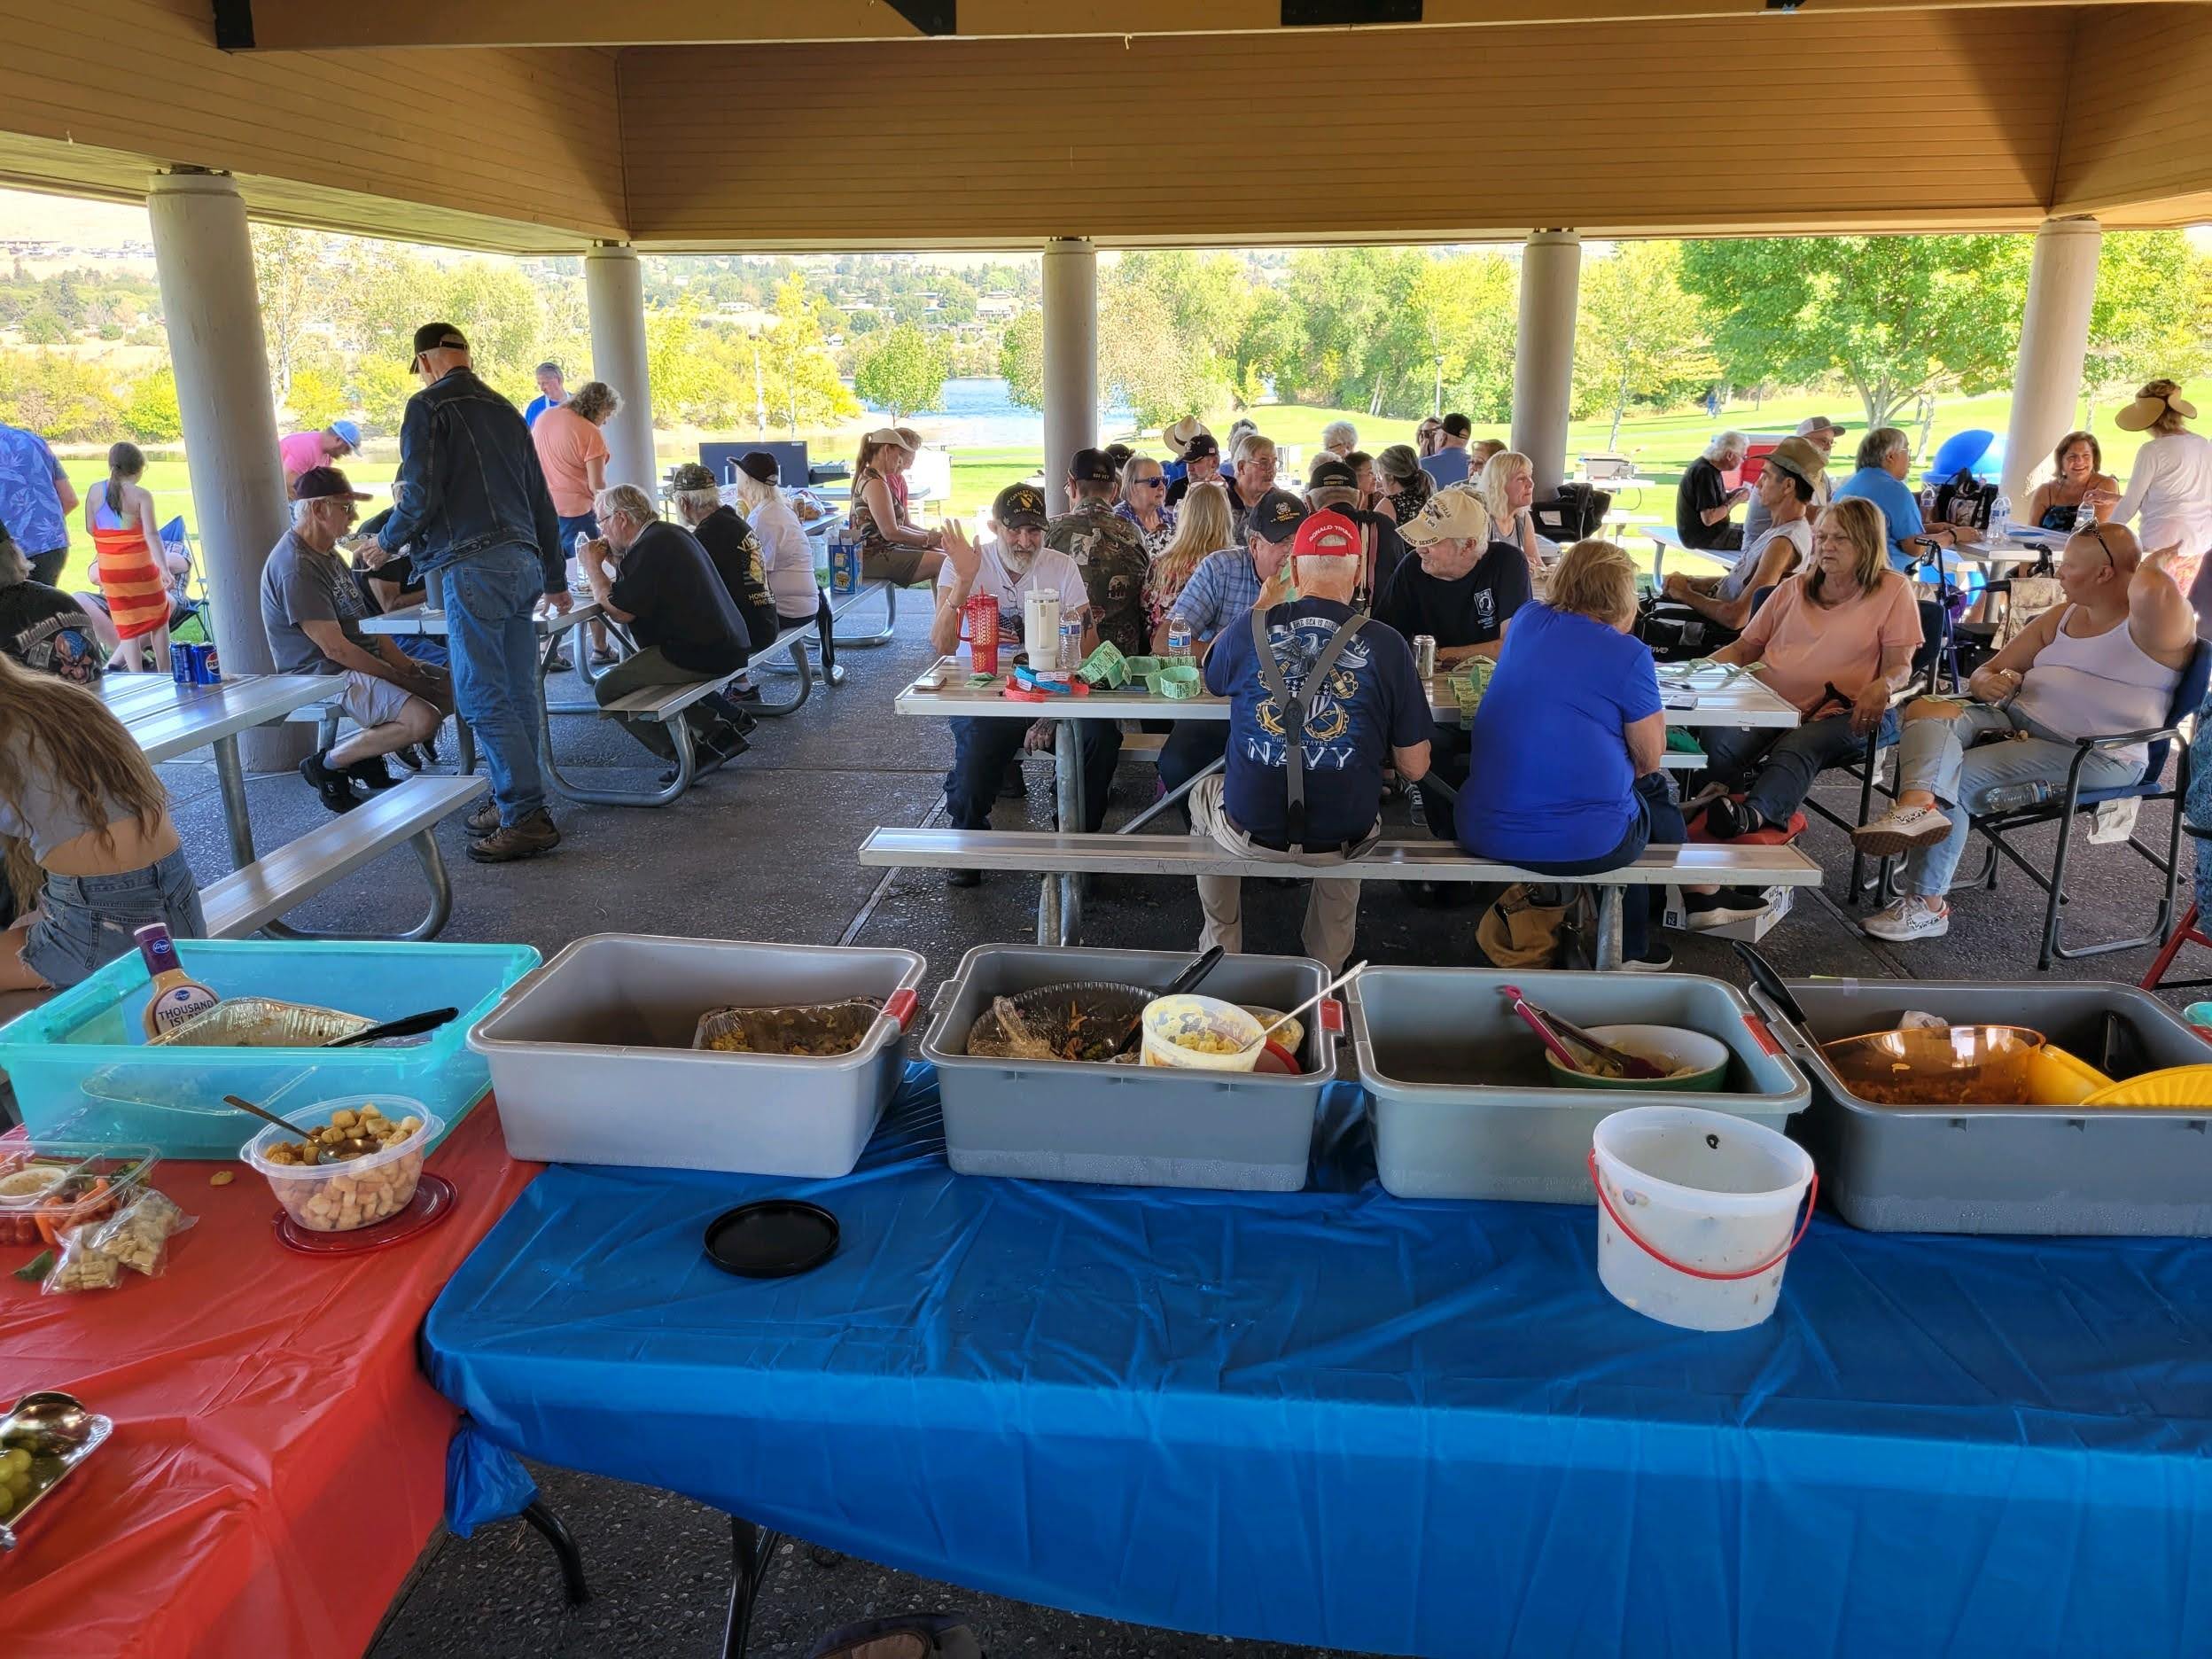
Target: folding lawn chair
[2188,696]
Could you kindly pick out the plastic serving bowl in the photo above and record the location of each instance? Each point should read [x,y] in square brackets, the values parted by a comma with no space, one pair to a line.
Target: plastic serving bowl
[360,1192]
[1667,1045]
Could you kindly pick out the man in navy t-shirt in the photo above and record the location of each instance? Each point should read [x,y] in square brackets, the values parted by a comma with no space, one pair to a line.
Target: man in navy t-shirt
[1362,705]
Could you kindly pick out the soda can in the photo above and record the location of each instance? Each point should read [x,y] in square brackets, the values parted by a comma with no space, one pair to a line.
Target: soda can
[181,664]
[196,663]
[212,666]
[1424,655]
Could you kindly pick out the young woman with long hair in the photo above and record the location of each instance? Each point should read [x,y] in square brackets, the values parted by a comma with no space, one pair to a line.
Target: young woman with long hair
[1204,525]
[133,567]
[91,855]
[891,549]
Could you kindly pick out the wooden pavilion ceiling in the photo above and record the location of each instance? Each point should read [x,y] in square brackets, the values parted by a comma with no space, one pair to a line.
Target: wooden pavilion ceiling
[537,126]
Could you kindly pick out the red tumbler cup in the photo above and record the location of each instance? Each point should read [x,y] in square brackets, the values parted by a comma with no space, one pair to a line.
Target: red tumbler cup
[982,633]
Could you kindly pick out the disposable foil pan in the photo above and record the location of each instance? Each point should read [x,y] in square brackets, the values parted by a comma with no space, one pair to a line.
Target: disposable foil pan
[263,1023]
[59,1434]
[820,1030]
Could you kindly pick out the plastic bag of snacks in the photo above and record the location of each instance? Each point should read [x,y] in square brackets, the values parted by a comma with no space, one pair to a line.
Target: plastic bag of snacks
[94,1256]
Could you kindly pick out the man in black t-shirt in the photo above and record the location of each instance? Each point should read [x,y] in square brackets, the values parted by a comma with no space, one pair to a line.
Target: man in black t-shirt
[658,580]
[1703,500]
[1461,590]
[731,545]
[43,628]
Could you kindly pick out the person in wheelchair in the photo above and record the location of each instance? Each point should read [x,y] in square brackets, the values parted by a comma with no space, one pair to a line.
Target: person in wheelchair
[2105,662]
[1696,615]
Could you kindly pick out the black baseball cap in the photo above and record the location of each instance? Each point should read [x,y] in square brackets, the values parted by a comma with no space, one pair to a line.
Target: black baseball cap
[438,337]
[759,466]
[1204,444]
[1277,515]
[325,484]
[1093,466]
[1331,471]
[1020,504]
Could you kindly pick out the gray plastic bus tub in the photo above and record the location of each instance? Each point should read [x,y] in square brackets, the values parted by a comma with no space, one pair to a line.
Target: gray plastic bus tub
[592,1061]
[1127,1126]
[1463,1105]
[2042,1170]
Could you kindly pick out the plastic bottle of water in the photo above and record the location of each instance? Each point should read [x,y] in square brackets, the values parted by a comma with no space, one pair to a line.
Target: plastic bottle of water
[1178,639]
[2085,517]
[2013,797]
[2000,514]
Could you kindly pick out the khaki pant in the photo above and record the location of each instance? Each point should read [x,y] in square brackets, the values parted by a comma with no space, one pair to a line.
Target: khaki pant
[1332,908]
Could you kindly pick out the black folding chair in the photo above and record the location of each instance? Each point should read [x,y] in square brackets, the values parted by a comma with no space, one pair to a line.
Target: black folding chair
[2164,741]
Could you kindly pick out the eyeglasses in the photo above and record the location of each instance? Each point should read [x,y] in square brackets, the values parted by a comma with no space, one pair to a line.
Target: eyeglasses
[2098,531]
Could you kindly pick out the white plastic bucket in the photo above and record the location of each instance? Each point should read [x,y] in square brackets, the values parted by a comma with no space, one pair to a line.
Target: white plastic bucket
[1166,1017]
[1697,1213]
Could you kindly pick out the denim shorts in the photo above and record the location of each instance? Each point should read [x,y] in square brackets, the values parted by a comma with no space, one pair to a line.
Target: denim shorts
[86,922]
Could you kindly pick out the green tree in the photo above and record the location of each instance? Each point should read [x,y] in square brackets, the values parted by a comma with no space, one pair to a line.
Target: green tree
[1639,336]
[800,375]
[903,369]
[42,325]
[379,388]
[60,397]
[1022,360]
[150,410]
[317,398]
[294,285]
[1900,317]
[2150,316]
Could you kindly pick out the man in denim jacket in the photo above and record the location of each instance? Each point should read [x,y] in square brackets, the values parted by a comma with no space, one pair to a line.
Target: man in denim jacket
[471,498]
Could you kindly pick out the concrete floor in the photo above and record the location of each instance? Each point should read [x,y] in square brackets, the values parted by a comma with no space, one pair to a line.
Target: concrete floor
[764,850]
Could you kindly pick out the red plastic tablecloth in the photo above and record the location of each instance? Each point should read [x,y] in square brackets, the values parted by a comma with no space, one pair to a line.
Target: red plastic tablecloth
[278,1459]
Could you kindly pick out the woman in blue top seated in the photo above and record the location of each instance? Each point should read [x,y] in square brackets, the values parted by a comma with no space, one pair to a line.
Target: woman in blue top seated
[1564,778]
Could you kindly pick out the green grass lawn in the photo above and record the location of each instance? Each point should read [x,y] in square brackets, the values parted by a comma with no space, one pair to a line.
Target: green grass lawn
[1660,446]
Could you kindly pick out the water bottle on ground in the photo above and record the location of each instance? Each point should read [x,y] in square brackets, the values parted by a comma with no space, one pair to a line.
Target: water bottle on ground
[1178,639]
[2014,797]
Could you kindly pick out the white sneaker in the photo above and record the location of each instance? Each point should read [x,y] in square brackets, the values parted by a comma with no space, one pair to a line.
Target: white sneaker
[1902,830]
[1909,919]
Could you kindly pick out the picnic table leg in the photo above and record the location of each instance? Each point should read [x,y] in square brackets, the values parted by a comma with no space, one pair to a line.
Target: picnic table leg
[1608,946]
[1067,768]
[1171,797]
[551,1528]
[750,1550]
[231,776]
[868,641]
[425,846]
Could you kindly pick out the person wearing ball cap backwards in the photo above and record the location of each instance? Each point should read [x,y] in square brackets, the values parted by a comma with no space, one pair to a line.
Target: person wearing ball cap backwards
[1321,699]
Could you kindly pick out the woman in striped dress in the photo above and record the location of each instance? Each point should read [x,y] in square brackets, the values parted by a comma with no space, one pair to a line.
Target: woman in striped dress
[133,567]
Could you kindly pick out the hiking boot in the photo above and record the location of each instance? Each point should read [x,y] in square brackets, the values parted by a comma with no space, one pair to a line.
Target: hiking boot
[332,786]
[526,838]
[373,774]
[483,821]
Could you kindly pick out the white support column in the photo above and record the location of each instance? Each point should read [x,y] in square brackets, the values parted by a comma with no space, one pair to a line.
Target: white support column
[2053,339]
[1071,307]
[1544,354]
[205,260]
[614,293]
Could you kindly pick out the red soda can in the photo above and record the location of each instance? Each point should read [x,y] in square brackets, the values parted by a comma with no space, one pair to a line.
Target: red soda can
[982,633]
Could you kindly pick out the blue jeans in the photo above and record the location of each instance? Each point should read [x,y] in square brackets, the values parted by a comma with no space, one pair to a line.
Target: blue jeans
[1786,761]
[582,524]
[489,598]
[424,647]
[982,749]
[86,922]
[1658,822]
[1948,759]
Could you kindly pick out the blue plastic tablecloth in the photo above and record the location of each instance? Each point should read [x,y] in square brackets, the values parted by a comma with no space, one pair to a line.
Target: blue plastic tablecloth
[1340,1418]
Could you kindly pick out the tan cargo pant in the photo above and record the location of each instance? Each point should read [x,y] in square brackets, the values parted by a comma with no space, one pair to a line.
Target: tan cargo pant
[1332,908]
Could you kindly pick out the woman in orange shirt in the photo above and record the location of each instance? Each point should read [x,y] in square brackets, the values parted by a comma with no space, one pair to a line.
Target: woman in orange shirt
[133,567]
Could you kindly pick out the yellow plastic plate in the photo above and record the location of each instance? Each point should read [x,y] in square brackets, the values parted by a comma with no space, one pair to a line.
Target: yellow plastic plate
[2176,1085]
[2056,1077]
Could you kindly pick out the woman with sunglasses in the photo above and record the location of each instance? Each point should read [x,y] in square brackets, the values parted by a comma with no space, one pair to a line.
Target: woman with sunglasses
[1144,503]
[2104,662]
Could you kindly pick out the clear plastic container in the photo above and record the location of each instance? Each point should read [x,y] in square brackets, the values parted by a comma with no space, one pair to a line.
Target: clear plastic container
[46,1187]
[82,1069]
[1169,1021]
[358,1192]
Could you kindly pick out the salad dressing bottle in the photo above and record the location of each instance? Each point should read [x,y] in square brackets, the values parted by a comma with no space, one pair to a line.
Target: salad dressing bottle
[177,996]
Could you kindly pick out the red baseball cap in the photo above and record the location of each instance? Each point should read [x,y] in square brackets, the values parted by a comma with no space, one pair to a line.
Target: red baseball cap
[1327,535]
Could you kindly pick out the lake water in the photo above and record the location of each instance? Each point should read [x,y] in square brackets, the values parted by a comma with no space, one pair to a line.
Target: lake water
[977,414]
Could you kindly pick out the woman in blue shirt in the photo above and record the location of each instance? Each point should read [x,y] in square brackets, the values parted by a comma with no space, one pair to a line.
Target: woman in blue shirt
[1564,778]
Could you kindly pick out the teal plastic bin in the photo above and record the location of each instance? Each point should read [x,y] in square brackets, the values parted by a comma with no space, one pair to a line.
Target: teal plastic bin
[81,1069]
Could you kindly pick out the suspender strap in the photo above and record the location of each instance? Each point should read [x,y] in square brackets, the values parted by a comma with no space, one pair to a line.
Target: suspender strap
[1294,707]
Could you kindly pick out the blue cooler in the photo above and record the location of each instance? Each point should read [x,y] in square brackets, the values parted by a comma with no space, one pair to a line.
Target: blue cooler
[82,1069]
